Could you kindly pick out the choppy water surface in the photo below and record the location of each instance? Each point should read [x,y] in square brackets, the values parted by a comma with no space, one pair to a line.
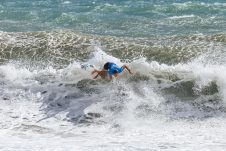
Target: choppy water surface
[175,100]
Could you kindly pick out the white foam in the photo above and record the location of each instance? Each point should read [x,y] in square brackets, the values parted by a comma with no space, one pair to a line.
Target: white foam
[10,72]
[99,57]
[66,2]
[204,75]
[181,17]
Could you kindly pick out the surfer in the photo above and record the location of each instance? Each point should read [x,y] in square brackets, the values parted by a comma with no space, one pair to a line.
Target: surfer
[110,69]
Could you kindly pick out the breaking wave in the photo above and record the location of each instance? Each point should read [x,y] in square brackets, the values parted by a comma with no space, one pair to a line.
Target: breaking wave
[192,90]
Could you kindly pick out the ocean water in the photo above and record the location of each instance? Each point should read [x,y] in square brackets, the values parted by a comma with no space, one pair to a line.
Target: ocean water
[174,101]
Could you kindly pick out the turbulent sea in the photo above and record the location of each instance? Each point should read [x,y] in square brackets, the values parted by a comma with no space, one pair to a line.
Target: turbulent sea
[175,100]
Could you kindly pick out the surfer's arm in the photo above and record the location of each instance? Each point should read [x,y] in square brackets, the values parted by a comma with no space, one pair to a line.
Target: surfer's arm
[127,68]
[96,76]
[101,73]
[95,71]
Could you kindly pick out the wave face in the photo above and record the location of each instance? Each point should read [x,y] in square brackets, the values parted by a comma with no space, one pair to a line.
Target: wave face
[63,47]
[175,99]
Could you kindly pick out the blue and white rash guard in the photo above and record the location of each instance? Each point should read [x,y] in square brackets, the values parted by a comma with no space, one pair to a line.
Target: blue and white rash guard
[112,67]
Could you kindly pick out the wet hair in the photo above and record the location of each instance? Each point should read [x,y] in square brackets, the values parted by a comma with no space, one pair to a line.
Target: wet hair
[106,66]
[115,71]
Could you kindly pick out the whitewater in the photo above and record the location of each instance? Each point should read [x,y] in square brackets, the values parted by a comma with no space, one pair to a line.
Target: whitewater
[175,99]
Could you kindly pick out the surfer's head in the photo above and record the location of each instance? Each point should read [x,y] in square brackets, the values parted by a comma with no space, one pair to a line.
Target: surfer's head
[106,66]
